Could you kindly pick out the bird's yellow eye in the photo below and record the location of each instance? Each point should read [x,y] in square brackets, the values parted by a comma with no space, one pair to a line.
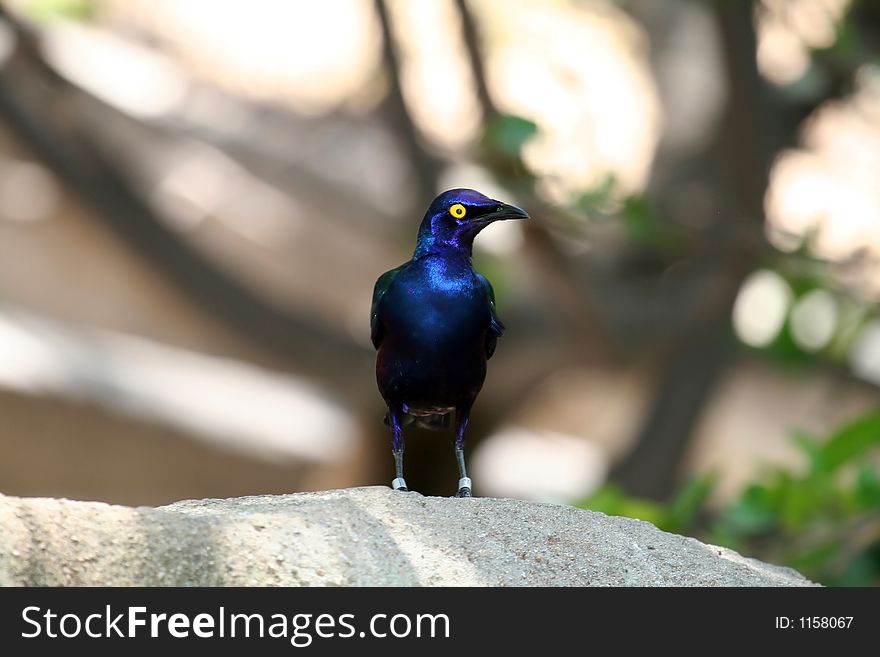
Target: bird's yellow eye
[458,211]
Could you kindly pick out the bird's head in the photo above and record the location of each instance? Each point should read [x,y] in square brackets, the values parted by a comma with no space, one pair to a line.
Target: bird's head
[456,216]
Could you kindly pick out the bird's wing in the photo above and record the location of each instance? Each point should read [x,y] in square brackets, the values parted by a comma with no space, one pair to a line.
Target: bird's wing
[496,327]
[382,285]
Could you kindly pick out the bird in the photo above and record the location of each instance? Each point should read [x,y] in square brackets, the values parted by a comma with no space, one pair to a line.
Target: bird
[434,325]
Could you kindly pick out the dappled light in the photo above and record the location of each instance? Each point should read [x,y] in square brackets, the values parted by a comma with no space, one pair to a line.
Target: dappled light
[197,198]
[761,307]
[550,466]
[146,379]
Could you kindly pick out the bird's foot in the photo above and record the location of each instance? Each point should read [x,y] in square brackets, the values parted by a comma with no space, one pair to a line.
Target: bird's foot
[464,487]
[399,484]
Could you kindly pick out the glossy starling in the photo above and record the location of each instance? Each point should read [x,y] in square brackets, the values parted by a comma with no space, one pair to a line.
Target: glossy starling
[434,324]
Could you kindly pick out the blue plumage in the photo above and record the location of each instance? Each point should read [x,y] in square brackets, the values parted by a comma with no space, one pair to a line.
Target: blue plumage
[434,323]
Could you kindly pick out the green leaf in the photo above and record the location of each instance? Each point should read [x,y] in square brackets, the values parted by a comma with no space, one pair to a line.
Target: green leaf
[600,195]
[754,513]
[868,488]
[809,446]
[861,570]
[506,134]
[850,442]
[49,10]
[690,501]
[797,501]
[641,222]
[612,501]
[813,559]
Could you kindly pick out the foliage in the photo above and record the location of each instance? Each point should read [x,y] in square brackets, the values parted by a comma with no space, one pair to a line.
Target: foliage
[47,10]
[506,134]
[824,521]
[639,220]
[803,275]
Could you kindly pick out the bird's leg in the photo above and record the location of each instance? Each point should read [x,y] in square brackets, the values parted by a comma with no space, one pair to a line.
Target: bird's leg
[397,448]
[461,421]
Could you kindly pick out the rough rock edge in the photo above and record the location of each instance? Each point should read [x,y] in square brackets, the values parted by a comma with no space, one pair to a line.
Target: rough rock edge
[353,537]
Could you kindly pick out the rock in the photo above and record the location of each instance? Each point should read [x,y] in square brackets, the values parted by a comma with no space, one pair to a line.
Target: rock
[354,537]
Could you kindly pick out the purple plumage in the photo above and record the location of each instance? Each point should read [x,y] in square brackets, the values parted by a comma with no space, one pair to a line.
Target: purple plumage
[434,324]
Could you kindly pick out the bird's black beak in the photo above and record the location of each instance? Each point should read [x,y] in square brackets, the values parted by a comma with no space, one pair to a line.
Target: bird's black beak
[505,211]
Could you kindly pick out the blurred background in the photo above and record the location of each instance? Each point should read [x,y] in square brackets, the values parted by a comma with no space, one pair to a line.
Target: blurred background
[196,198]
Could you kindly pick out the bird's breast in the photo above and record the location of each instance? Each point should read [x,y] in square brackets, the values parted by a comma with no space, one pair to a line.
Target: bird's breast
[442,277]
[438,302]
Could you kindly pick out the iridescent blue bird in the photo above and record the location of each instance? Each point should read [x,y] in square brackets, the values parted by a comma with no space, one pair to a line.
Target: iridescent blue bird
[434,324]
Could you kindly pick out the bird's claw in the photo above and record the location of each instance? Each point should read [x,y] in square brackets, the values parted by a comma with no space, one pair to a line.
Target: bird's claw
[464,487]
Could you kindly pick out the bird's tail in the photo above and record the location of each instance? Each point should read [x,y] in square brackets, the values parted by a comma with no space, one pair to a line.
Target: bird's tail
[434,422]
